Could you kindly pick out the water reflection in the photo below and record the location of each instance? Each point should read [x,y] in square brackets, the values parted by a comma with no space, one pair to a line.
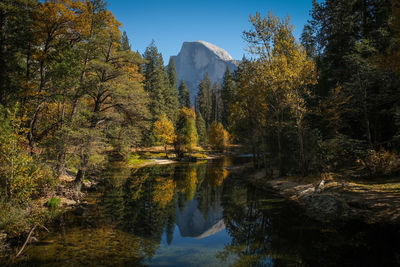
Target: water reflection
[199,215]
[268,231]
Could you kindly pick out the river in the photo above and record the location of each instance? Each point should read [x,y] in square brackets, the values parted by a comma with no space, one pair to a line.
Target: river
[200,214]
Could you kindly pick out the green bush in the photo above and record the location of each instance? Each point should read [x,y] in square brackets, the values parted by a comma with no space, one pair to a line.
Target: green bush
[21,175]
[53,203]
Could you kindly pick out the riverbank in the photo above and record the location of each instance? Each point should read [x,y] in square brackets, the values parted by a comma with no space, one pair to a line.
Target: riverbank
[142,157]
[332,199]
[23,224]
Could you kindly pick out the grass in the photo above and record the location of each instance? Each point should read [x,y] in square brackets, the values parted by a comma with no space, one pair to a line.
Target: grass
[53,203]
[199,155]
[150,155]
[135,160]
[379,186]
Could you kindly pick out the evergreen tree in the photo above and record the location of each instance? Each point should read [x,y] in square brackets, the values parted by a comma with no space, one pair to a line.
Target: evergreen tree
[125,42]
[184,96]
[348,34]
[201,129]
[172,76]
[227,95]
[308,41]
[16,45]
[204,100]
[216,102]
[163,98]
[171,102]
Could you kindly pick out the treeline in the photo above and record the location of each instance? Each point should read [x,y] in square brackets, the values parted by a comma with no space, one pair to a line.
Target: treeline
[327,103]
[71,88]
[73,93]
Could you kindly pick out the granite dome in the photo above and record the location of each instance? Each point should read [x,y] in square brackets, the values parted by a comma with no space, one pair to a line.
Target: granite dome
[195,59]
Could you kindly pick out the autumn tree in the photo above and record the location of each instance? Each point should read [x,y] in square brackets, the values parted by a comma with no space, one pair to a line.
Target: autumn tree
[164,132]
[277,82]
[218,137]
[186,132]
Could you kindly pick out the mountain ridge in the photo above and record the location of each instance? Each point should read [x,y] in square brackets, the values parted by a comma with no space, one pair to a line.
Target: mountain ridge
[197,58]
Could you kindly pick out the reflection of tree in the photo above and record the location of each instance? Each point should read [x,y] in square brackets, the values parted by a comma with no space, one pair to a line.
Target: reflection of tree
[163,191]
[170,227]
[248,227]
[186,181]
[141,203]
[267,231]
[191,184]
[113,202]
[210,189]
[105,246]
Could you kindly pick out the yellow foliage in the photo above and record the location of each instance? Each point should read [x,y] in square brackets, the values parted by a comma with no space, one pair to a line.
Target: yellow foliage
[19,172]
[187,113]
[192,182]
[382,162]
[218,137]
[163,191]
[164,130]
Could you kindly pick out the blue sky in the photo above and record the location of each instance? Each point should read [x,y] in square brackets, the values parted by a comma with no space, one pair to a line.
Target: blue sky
[221,22]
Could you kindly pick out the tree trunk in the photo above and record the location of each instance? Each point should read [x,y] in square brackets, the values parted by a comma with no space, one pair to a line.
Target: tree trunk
[280,158]
[253,148]
[79,180]
[301,145]
[3,53]
[166,152]
[264,156]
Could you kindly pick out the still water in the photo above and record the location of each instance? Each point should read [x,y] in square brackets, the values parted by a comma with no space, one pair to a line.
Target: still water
[200,214]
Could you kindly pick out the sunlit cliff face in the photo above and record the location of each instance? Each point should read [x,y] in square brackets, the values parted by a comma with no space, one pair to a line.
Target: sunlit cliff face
[198,58]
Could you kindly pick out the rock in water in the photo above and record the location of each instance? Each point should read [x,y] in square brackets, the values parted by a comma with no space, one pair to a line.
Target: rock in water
[198,58]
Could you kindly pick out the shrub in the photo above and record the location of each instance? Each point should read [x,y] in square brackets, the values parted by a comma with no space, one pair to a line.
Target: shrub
[13,219]
[21,175]
[53,203]
[382,162]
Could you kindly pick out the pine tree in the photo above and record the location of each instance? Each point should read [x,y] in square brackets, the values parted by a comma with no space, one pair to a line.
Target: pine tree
[172,76]
[227,95]
[171,102]
[125,42]
[204,100]
[216,103]
[156,82]
[201,129]
[184,96]
[16,42]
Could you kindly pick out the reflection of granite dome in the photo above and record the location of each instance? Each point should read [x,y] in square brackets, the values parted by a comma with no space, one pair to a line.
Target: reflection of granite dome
[192,223]
[198,58]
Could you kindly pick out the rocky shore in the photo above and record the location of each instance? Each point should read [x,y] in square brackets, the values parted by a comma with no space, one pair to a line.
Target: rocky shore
[335,200]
